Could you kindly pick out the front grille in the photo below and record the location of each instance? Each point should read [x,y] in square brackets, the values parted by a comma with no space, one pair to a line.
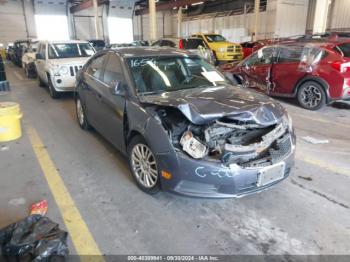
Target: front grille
[234,49]
[74,70]
[280,149]
[283,148]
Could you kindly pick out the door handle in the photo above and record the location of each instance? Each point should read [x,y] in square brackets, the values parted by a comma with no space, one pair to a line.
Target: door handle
[99,97]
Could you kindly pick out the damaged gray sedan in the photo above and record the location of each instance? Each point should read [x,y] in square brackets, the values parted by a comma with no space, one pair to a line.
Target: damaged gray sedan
[183,126]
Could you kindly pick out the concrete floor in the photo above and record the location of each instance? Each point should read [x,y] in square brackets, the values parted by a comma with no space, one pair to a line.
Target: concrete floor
[306,214]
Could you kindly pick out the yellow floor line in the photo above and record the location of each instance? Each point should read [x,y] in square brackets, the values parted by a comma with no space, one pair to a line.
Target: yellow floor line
[82,238]
[323,164]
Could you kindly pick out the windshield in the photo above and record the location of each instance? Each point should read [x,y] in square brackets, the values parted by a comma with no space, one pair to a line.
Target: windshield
[22,44]
[215,38]
[166,74]
[70,50]
[34,46]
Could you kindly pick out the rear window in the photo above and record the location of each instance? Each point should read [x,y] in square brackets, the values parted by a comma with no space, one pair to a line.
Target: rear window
[192,43]
[344,49]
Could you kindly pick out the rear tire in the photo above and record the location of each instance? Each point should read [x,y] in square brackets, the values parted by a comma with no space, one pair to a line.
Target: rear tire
[311,95]
[143,165]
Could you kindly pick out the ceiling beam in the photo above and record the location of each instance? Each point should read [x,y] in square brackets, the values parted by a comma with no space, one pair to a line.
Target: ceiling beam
[168,5]
[85,5]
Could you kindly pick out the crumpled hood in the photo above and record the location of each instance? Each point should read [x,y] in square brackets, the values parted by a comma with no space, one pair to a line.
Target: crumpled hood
[203,105]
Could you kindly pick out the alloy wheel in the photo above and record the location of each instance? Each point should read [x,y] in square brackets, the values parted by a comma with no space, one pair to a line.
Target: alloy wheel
[80,113]
[311,96]
[144,165]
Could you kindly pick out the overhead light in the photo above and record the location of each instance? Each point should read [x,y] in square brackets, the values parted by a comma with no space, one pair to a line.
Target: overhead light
[198,3]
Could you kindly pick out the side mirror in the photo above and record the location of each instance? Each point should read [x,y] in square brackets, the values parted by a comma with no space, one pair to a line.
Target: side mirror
[117,88]
[39,56]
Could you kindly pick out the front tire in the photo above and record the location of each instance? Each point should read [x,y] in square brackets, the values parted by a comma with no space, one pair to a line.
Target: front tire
[53,93]
[81,115]
[143,165]
[41,82]
[311,95]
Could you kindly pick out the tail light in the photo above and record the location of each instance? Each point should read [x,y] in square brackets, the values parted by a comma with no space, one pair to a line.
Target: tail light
[181,44]
[341,67]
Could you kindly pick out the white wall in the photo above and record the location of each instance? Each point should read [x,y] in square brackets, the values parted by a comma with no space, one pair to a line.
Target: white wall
[84,24]
[291,17]
[340,15]
[12,21]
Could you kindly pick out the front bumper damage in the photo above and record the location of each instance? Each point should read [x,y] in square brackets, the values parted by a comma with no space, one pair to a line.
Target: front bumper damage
[203,178]
[236,170]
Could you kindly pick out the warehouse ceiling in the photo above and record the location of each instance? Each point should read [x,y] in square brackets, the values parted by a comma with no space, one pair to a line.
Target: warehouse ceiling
[191,7]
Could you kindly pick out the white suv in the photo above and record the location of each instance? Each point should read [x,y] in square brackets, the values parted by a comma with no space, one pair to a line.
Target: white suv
[58,63]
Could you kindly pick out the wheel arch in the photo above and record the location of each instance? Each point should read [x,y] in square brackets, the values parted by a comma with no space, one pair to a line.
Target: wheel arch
[316,79]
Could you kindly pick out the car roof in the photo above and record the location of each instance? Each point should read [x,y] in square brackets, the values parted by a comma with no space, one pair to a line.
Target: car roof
[66,42]
[151,51]
[320,44]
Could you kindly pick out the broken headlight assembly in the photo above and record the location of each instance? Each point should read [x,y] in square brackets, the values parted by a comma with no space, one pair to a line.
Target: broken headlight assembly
[193,146]
[287,121]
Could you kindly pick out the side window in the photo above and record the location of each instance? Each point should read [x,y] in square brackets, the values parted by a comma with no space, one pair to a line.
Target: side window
[41,51]
[95,67]
[289,55]
[261,57]
[113,71]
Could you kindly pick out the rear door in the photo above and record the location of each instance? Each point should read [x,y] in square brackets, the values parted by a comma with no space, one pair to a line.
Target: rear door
[287,70]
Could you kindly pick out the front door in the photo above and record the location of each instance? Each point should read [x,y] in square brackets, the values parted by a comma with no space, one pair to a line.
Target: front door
[256,70]
[287,70]
[112,104]
[93,89]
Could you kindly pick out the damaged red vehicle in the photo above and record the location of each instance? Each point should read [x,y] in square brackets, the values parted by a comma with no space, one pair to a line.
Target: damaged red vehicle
[251,47]
[315,73]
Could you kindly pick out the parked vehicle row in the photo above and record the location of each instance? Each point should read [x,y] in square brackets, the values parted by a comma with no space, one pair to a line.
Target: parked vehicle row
[192,44]
[315,73]
[58,63]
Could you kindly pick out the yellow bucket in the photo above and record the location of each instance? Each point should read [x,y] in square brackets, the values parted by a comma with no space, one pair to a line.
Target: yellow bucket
[10,125]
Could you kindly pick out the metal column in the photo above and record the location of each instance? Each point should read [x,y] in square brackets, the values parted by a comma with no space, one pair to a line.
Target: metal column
[152,20]
[256,19]
[97,20]
[321,13]
[179,21]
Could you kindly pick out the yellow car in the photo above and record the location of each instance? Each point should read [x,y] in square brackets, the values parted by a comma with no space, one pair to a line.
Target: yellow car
[224,50]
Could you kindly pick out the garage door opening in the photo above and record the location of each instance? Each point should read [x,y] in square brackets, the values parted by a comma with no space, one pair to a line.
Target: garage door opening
[120,30]
[46,23]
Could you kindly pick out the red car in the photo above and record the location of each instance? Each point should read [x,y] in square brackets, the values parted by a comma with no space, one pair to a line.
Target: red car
[251,47]
[314,73]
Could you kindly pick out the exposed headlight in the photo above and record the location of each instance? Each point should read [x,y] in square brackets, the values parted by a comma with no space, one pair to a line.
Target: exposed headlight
[192,146]
[222,49]
[287,121]
[63,70]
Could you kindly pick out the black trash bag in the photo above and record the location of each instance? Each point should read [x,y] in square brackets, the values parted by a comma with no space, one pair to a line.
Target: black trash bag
[35,238]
